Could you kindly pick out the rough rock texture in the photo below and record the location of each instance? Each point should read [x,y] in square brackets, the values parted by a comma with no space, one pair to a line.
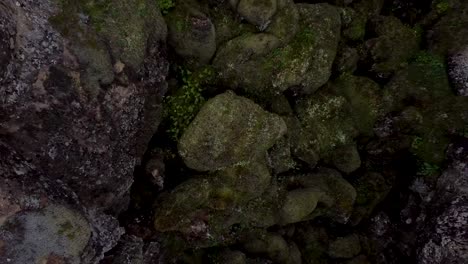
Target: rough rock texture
[458,71]
[90,142]
[229,129]
[191,33]
[263,66]
[74,122]
[345,247]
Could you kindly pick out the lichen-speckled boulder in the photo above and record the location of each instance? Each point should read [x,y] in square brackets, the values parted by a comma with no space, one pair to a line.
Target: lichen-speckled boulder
[228,130]
[257,12]
[326,122]
[273,245]
[191,33]
[263,66]
[394,45]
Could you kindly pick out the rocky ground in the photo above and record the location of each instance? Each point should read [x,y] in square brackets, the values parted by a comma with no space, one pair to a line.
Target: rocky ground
[241,131]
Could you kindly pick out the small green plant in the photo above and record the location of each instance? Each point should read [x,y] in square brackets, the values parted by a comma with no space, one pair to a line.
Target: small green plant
[180,108]
[442,6]
[165,6]
[417,142]
[427,169]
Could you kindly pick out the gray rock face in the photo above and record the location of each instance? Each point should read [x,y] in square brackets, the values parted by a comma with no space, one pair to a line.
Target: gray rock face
[458,71]
[91,140]
[68,143]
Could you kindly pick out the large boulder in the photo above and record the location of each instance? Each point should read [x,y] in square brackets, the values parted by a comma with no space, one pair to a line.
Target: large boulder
[229,130]
[264,66]
[191,33]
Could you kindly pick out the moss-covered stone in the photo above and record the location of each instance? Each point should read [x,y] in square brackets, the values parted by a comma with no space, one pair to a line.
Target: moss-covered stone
[229,257]
[191,33]
[229,130]
[227,24]
[258,65]
[285,24]
[364,96]
[346,158]
[272,245]
[336,195]
[326,122]
[315,244]
[395,44]
[299,204]
[345,247]
[257,12]
[371,189]
[280,157]
[354,24]
[450,33]
[346,60]
[424,85]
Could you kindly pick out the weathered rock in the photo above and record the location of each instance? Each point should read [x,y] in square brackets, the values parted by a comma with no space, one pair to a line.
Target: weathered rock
[458,71]
[345,247]
[227,24]
[346,60]
[371,189]
[261,67]
[231,257]
[346,159]
[450,33]
[257,12]
[364,97]
[279,156]
[335,195]
[326,122]
[229,130]
[395,44]
[90,139]
[299,204]
[315,240]
[42,219]
[284,25]
[273,245]
[191,33]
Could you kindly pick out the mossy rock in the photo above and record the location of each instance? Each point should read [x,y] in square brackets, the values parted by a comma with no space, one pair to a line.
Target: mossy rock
[33,236]
[299,204]
[326,123]
[272,245]
[345,247]
[346,158]
[371,189]
[395,45]
[424,85]
[229,130]
[191,33]
[364,97]
[285,24]
[450,33]
[315,244]
[257,12]
[336,196]
[346,60]
[128,27]
[354,24]
[228,257]
[227,24]
[261,67]
[204,209]
[280,157]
